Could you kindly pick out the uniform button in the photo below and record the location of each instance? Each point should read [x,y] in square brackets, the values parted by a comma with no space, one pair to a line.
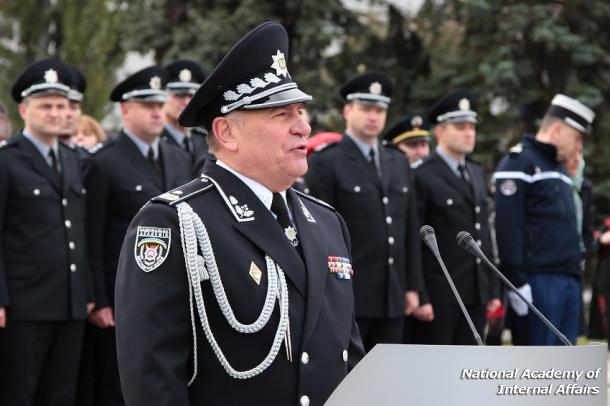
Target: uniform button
[36,192]
[73,267]
[304,358]
[449,202]
[138,188]
[391,240]
[357,189]
[344,355]
[71,245]
[390,261]
[477,209]
[388,220]
[405,189]
[479,243]
[68,223]
[64,202]
[477,226]
[306,190]
[304,401]
[84,191]
[478,261]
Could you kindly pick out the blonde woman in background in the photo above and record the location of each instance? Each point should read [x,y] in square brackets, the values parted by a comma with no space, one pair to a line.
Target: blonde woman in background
[89,133]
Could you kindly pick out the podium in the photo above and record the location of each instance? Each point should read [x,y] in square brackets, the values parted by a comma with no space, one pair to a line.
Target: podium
[394,374]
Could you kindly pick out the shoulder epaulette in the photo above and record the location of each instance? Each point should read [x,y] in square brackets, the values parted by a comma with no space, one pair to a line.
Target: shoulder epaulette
[184,192]
[313,199]
[516,150]
[7,143]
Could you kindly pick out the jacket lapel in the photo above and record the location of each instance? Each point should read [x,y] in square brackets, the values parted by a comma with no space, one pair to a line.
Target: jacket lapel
[356,158]
[40,165]
[169,170]
[479,192]
[452,180]
[68,164]
[257,224]
[137,160]
[387,163]
[315,254]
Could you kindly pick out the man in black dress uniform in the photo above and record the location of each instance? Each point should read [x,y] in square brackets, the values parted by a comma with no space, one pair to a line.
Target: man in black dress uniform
[122,176]
[45,292]
[371,186]
[202,259]
[184,78]
[452,197]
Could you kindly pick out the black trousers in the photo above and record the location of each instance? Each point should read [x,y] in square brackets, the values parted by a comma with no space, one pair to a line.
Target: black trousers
[380,331]
[450,327]
[39,362]
[99,383]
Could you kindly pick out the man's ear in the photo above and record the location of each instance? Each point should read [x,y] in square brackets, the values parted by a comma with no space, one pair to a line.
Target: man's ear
[224,130]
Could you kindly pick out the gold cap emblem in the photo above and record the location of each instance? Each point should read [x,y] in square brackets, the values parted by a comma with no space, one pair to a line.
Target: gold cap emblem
[416,122]
[375,88]
[464,104]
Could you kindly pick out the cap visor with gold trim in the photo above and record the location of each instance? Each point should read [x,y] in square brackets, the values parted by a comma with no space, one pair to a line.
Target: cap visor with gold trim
[252,75]
[408,129]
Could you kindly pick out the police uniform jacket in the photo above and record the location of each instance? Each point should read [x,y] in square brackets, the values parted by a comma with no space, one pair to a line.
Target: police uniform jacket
[446,203]
[535,213]
[121,181]
[43,269]
[154,332]
[381,218]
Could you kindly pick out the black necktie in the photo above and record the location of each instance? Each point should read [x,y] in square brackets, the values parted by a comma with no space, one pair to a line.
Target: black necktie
[187,144]
[279,208]
[464,177]
[154,162]
[372,161]
[55,167]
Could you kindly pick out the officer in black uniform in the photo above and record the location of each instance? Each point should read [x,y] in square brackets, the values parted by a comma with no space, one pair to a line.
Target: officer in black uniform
[536,226]
[78,85]
[371,186]
[122,176]
[411,136]
[239,246]
[44,283]
[184,79]
[452,197]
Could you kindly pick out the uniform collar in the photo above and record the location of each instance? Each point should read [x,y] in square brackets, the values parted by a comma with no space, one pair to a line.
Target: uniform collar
[176,134]
[264,195]
[142,146]
[363,146]
[548,150]
[41,146]
[450,161]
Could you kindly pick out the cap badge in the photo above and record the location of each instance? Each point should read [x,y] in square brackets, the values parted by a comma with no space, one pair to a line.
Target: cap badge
[50,76]
[464,104]
[416,122]
[375,88]
[155,82]
[185,75]
[279,64]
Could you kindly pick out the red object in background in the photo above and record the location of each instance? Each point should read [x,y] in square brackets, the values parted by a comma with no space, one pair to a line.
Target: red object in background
[496,314]
[607,223]
[320,140]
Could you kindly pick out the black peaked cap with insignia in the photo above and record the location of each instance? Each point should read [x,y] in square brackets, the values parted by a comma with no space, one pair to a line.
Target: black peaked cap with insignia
[146,85]
[408,129]
[369,88]
[78,85]
[47,76]
[572,112]
[184,76]
[458,107]
[252,75]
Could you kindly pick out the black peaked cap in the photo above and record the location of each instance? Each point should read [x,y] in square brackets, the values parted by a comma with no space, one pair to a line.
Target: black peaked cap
[457,106]
[370,87]
[146,85]
[47,76]
[184,76]
[252,75]
[408,129]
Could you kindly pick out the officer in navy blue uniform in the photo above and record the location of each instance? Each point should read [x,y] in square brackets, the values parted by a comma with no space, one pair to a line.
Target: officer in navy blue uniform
[45,291]
[122,176]
[202,259]
[536,227]
[452,197]
[371,186]
[411,136]
[184,78]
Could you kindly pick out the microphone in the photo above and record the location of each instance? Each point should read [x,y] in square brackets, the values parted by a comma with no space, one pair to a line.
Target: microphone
[465,240]
[427,235]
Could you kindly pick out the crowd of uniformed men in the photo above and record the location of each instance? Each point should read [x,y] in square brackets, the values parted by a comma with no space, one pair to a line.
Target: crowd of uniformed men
[65,211]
